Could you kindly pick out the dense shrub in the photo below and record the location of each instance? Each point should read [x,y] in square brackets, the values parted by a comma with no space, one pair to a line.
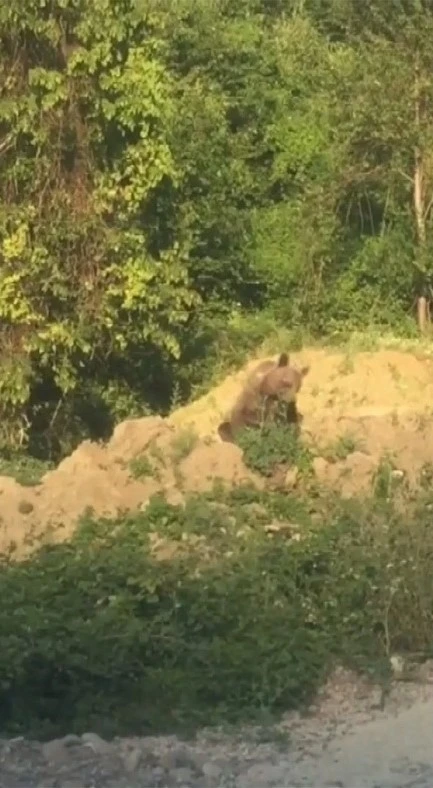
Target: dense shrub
[276,445]
[98,633]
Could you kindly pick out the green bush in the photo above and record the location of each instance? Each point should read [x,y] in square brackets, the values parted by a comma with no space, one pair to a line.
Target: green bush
[98,633]
[27,470]
[274,445]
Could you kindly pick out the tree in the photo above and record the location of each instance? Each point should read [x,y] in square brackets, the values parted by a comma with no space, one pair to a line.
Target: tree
[393,44]
[84,119]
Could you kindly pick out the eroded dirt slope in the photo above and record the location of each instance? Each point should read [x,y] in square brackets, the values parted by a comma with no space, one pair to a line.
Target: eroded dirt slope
[379,402]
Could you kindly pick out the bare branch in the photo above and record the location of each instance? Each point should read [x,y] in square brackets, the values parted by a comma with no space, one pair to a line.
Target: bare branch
[405,175]
[428,208]
[6,144]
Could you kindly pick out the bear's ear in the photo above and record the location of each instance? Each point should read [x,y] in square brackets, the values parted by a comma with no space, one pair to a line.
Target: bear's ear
[283,360]
[305,371]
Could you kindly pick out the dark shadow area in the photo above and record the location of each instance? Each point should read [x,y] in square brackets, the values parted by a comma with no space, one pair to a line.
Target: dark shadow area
[144,382]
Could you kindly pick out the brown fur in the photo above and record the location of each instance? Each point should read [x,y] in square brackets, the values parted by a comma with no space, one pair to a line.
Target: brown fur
[270,381]
[245,411]
[262,370]
[281,384]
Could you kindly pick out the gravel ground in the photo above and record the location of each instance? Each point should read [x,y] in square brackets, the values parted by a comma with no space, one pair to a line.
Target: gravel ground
[347,740]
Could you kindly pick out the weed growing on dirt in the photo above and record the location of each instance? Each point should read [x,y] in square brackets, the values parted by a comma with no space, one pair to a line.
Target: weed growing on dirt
[26,470]
[183,444]
[347,366]
[106,633]
[386,478]
[341,449]
[426,476]
[273,446]
[141,467]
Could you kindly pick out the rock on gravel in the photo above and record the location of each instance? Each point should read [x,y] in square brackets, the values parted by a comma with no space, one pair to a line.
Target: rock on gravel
[96,743]
[263,774]
[212,772]
[131,759]
[181,775]
[57,750]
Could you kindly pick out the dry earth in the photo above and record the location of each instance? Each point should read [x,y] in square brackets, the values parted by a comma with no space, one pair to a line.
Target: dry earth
[383,403]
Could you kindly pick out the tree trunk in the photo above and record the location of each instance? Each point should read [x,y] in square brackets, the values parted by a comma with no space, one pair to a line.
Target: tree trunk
[418,198]
[423,309]
[423,314]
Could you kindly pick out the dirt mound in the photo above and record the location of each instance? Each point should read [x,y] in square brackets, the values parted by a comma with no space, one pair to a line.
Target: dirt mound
[338,385]
[103,479]
[378,403]
[355,408]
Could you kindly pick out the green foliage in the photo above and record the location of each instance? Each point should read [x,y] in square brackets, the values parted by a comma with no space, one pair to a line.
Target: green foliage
[183,444]
[341,448]
[86,131]
[175,175]
[385,481]
[99,633]
[26,470]
[274,446]
[140,467]
[177,183]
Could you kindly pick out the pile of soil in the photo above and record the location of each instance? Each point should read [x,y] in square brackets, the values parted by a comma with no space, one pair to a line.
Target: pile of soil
[379,402]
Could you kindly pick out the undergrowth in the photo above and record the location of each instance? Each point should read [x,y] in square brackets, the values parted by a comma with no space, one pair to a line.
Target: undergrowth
[26,470]
[141,467]
[275,445]
[241,623]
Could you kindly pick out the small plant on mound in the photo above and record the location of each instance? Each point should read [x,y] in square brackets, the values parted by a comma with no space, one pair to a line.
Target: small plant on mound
[183,444]
[341,449]
[273,446]
[141,467]
[387,478]
[426,476]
